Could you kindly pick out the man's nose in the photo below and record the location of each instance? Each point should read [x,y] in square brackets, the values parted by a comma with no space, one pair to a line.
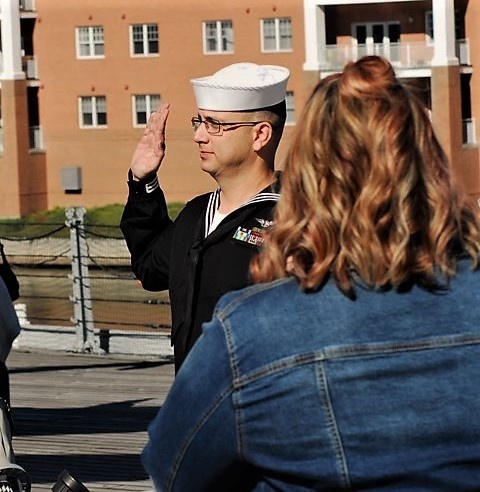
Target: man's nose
[200,134]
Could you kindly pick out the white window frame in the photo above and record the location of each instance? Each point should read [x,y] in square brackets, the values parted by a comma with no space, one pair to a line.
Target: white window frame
[146,38]
[94,39]
[279,36]
[150,105]
[220,38]
[95,102]
[290,104]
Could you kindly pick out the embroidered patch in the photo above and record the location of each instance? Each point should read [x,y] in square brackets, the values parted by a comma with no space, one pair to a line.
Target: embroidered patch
[264,222]
[251,236]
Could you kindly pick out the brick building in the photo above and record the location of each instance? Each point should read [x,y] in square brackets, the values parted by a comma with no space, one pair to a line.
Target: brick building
[78,80]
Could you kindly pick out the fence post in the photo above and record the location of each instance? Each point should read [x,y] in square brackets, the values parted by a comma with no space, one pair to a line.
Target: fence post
[81,298]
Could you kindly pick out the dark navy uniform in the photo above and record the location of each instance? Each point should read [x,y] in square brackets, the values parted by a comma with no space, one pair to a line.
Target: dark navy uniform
[197,268]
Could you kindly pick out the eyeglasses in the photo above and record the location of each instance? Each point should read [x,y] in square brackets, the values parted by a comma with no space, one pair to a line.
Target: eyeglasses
[215,127]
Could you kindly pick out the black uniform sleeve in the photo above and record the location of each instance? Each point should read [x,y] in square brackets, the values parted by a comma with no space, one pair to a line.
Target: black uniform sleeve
[148,231]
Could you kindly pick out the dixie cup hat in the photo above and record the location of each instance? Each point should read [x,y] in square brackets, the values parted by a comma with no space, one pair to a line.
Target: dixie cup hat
[241,87]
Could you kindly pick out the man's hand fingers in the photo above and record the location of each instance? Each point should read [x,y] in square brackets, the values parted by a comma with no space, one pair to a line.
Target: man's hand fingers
[150,150]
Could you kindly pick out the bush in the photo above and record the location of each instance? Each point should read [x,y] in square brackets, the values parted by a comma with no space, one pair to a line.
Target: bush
[103,220]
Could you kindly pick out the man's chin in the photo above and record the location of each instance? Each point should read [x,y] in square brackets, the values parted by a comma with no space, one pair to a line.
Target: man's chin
[207,168]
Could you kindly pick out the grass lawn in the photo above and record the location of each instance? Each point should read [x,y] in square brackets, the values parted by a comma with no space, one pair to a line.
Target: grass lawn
[99,220]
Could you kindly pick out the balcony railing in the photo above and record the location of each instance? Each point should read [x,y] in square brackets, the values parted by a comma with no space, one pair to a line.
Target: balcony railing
[469,131]
[28,5]
[401,55]
[36,137]
[29,66]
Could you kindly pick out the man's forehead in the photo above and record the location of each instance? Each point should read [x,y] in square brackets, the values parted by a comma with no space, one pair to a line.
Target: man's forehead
[221,115]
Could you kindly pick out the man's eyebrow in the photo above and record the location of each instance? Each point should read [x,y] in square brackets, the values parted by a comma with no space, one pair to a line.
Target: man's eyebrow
[210,118]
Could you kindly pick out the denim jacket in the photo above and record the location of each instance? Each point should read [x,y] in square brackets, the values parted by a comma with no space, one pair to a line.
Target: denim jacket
[287,390]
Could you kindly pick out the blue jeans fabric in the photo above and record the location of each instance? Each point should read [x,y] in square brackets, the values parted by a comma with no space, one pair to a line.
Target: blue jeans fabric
[295,391]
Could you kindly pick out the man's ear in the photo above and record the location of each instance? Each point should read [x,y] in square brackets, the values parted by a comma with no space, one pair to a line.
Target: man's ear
[262,135]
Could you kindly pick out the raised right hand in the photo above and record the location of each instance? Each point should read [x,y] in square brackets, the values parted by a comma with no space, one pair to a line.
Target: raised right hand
[150,150]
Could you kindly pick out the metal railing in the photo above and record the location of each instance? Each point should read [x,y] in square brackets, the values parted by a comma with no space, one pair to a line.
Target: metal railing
[78,293]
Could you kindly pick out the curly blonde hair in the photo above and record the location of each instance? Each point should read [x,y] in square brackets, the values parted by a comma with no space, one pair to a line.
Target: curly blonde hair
[367,190]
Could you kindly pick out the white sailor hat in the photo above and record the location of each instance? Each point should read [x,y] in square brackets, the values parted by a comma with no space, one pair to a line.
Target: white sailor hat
[241,87]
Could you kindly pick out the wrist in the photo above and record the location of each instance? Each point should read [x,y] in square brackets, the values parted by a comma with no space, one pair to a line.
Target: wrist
[147,184]
[133,177]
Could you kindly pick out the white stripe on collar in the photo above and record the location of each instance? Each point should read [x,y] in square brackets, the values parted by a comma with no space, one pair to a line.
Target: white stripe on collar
[212,207]
[214,204]
[265,196]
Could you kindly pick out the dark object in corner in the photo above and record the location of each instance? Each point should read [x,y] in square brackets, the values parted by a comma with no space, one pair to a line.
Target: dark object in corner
[8,276]
[68,483]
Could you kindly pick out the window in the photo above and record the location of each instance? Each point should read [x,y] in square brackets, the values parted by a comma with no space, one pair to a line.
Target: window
[376,33]
[218,37]
[378,38]
[143,105]
[90,42]
[290,102]
[429,25]
[144,39]
[93,111]
[276,34]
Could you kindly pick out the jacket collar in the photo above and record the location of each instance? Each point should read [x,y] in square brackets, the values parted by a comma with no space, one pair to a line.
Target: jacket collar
[268,194]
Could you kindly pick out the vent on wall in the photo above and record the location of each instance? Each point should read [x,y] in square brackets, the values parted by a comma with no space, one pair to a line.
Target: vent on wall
[71,179]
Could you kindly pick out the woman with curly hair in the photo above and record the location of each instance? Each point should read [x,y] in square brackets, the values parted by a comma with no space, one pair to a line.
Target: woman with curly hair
[354,362]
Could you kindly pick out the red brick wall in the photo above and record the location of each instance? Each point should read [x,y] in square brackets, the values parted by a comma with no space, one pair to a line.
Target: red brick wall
[104,154]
